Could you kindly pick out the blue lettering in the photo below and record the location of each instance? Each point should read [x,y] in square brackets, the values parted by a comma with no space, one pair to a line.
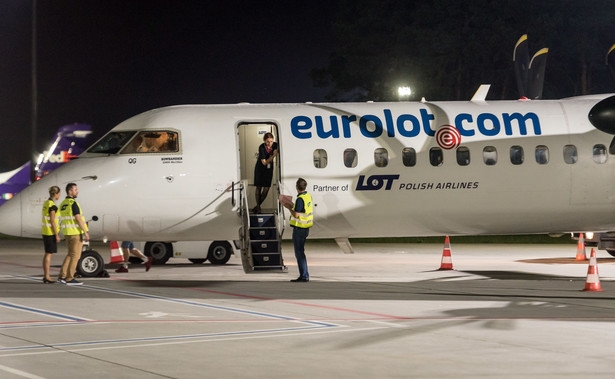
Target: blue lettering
[461,117]
[427,117]
[408,125]
[320,129]
[346,120]
[389,120]
[375,182]
[299,123]
[495,123]
[416,125]
[521,122]
[363,121]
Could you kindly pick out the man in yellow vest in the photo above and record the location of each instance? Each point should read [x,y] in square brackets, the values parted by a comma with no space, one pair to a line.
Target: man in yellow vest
[302,220]
[75,232]
[50,230]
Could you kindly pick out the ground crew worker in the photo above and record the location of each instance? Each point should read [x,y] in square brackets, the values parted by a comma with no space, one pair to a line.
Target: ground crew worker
[50,230]
[75,232]
[302,220]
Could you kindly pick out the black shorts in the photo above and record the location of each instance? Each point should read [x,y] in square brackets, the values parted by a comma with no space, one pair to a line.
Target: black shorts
[51,246]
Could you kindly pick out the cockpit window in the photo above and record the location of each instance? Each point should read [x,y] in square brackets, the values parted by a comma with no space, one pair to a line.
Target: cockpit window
[153,141]
[111,143]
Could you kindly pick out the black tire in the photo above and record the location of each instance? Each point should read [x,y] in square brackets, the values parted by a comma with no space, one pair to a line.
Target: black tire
[90,264]
[196,261]
[159,251]
[219,252]
[612,252]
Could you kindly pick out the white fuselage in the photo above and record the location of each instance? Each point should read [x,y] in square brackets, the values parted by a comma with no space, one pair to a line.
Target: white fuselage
[189,194]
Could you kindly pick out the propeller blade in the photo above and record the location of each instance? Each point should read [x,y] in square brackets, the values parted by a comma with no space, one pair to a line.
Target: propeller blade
[521,59]
[537,74]
[610,61]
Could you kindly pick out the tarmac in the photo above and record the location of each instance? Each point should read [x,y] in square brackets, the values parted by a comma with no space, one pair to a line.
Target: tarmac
[386,311]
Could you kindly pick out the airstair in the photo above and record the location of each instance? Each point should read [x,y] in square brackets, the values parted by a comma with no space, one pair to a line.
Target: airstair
[261,236]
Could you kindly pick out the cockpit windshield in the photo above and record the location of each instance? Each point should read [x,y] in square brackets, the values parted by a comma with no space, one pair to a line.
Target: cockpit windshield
[153,141]
[112,142]
[137,142]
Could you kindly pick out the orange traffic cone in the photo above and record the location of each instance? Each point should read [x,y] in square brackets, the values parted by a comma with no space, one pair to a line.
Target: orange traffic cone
[581,249]
[116,254]
[593,280]
[447,261]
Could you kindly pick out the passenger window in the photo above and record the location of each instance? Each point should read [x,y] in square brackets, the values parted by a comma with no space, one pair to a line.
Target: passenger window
[320,158]
[463,156]
[153,141]
[516,155]
[570,154]
[381,157]
[600,154]
[350,158]
[408,157]
[490,155]
[542,154]
[111,143]
[435,156]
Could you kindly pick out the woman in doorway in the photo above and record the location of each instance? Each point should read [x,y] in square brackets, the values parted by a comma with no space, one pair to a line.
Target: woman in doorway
[263,171]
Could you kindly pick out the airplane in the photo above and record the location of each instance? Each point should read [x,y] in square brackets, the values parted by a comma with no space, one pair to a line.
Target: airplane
[398,169]
[68,143]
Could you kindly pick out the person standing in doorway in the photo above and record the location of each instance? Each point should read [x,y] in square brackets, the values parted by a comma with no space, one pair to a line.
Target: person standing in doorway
[50,230]
[75,232]
[302,220]
[263,170]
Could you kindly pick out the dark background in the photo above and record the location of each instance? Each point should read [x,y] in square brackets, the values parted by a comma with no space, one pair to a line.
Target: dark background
[103,61]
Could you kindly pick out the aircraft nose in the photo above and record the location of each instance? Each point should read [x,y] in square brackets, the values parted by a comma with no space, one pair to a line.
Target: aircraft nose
[602,115]
[10,217]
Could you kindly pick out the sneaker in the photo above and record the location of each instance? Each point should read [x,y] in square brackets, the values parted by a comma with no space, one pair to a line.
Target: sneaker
[122,269]
[61,280]
[73,282]
[148,264]
[300,280]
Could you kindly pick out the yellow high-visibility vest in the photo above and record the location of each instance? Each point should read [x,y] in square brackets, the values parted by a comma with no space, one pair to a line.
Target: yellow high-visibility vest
[70,227]
[306,219]
[47,230]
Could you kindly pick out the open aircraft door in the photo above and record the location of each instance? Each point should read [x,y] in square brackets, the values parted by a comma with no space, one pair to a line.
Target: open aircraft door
[261,233]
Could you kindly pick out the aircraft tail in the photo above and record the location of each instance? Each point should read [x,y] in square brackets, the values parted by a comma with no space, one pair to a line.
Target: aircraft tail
[12,182]
[69,142]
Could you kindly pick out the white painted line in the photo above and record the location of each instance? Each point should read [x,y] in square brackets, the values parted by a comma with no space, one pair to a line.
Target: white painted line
[19,372]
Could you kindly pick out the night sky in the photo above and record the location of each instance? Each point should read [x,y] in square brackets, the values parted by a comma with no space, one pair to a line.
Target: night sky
[103,61]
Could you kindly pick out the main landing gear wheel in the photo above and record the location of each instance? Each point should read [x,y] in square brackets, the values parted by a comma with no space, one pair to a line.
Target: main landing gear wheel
[219,252]
[159,251]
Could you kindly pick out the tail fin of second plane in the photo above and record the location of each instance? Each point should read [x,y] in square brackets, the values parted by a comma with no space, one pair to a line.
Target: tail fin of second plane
[69,142]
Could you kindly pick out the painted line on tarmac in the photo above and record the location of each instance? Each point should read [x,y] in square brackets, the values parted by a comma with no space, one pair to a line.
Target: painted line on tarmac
[42,312]
[192,303]
[228,336]
[302,304]
[164,339]
[19,372]
[205,305]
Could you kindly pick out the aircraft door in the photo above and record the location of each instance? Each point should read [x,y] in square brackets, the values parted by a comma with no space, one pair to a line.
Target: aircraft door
[250,137]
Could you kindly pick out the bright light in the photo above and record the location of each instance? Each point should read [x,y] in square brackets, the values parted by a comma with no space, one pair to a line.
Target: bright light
[404,91]
[589,235]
